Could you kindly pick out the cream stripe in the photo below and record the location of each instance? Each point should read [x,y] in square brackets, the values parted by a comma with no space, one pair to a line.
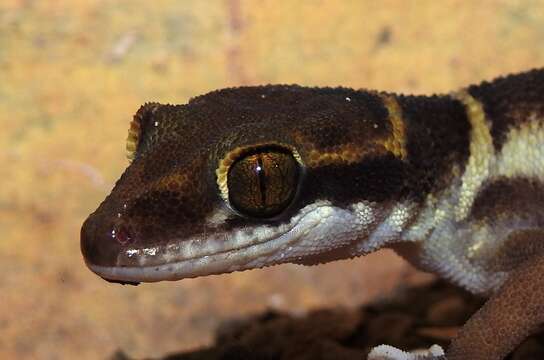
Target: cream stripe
[482,154]
[523,152]
[397,143]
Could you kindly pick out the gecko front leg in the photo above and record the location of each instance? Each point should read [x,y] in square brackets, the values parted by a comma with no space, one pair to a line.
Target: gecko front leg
[508,317]
[514,312]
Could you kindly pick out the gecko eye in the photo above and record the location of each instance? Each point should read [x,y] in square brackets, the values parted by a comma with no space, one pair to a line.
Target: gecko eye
[263,183]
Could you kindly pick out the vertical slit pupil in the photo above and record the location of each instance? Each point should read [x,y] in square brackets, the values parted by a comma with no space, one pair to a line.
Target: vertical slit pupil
[262,179]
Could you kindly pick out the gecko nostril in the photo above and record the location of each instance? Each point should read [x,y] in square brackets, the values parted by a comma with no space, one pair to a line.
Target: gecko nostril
[122,234]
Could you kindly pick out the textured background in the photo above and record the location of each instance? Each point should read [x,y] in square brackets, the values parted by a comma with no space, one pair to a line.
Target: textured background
[72,73]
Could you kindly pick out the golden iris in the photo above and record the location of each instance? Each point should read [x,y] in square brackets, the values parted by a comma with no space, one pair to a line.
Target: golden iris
[263,183]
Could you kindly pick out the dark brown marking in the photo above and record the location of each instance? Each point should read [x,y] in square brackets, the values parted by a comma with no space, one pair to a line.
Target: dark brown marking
[374,179]
[437,139]
[510,102]
[504,197]
[336,121]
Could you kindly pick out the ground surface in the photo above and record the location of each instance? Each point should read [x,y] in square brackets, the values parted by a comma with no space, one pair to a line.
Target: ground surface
[72,73]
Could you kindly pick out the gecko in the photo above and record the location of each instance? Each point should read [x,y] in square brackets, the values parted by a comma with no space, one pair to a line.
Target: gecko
[253,176]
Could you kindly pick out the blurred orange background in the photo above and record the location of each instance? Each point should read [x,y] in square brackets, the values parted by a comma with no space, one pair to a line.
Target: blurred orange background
[72,73]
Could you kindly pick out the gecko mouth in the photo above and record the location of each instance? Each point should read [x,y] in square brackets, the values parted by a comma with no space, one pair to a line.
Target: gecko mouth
[217,263]
[263,246]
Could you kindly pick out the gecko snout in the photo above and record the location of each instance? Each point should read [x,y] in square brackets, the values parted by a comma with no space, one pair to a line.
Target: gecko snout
[100,244]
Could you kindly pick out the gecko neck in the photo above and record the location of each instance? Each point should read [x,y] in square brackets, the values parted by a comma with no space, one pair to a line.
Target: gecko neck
[436,137]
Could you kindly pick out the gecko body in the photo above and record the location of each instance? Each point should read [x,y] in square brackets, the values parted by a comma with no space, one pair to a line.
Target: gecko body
[249,177]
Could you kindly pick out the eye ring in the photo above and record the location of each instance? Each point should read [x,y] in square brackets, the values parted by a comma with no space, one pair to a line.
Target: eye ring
[263,182]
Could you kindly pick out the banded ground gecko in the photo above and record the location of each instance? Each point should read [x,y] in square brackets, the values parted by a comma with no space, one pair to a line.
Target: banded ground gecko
[248,177]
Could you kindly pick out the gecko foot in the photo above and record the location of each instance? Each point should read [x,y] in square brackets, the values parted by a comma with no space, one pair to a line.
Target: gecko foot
[386,352]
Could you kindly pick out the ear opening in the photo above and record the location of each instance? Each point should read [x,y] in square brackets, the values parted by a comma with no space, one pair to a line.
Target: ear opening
[140,124]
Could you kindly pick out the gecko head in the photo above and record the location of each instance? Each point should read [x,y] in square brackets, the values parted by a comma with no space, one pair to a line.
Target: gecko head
[250,177]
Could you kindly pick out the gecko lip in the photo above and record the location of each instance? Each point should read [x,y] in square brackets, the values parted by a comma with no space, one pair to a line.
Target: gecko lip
[188,268]
[205,264]
[239,255]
